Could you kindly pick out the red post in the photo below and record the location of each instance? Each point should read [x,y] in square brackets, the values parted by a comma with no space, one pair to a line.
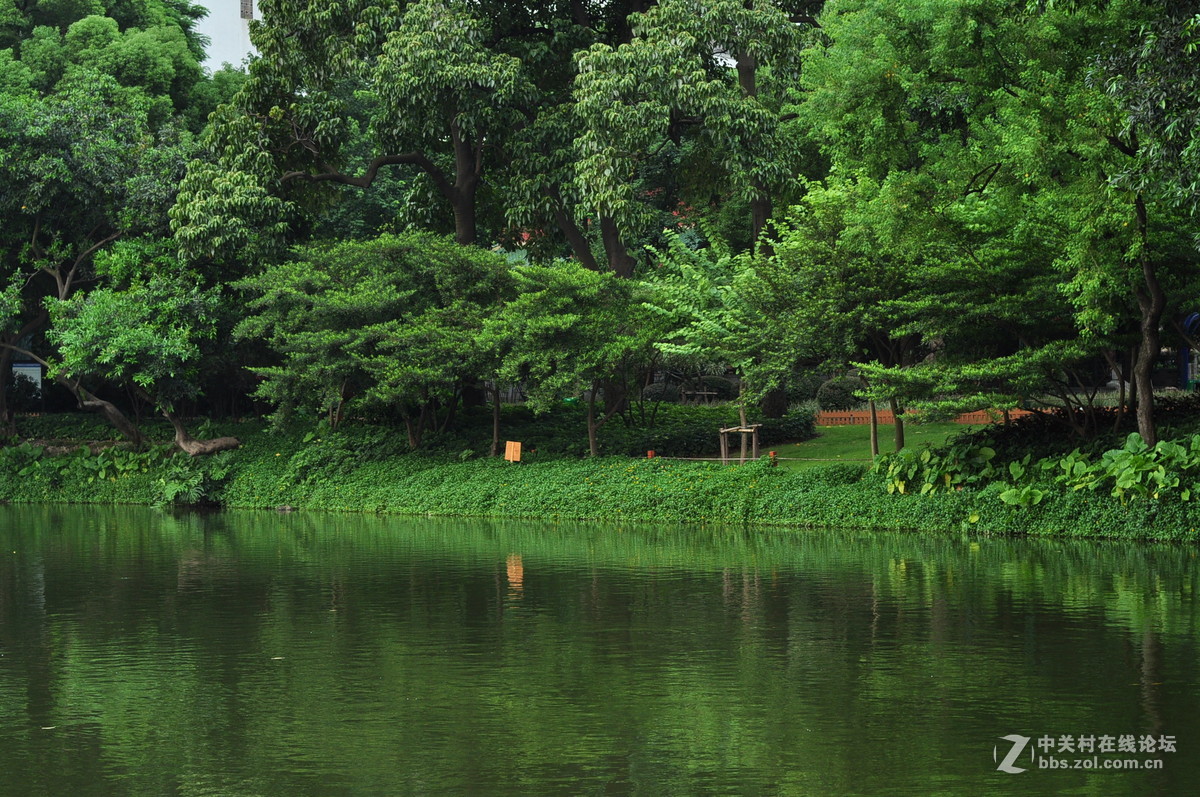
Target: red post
[649,455]
[774,461]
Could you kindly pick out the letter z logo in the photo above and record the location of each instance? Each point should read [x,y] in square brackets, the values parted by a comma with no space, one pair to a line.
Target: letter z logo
[1018,746]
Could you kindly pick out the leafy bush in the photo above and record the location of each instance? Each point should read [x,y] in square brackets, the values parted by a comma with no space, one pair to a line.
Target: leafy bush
[367,468]
[838,394]
[924,470]
[661,391]
[193,481]
[1041,435]
[84,426]
[1169,470]
[803,386]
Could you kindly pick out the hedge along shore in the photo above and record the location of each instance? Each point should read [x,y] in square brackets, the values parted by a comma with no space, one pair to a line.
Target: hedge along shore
[349,473]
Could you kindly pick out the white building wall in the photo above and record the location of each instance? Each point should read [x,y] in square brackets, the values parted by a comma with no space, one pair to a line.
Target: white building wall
[228,28]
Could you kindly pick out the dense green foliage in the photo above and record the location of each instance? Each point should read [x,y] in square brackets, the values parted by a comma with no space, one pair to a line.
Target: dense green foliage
[944,205]
[99,106]
[367,469]
[389,326]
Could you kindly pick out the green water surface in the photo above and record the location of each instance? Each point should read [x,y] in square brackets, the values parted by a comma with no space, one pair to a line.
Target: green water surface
[264,654]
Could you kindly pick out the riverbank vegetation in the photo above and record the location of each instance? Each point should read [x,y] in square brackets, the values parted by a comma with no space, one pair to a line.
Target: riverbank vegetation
[400,216]
[363,468]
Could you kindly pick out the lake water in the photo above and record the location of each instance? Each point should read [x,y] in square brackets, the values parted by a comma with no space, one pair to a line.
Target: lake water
[263,654]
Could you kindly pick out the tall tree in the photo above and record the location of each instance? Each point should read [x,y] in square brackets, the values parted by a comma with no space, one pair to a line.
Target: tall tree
[388,326]
[571,330]
[828,293]
[994,104]
[470,99]
[709,302]
[715,71]
[151,336]
[93,139]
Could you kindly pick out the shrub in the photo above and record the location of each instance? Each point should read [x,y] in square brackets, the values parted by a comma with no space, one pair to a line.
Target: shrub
[803,386]
[661,391]
[838,393]
[958,464]
[1168,470]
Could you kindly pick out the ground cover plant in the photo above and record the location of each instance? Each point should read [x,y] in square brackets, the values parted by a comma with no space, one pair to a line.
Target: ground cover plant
[368,468]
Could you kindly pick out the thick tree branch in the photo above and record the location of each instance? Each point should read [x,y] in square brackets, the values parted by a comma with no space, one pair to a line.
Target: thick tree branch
[575,237]
[988,173]
[331,175]
[64,286]
[87,400]
[1127,149]
[193,447]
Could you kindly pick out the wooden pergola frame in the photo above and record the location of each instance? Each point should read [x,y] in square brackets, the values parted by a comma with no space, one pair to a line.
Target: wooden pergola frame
[749,429]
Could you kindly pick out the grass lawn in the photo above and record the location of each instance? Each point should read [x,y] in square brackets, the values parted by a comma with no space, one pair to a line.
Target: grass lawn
[853,443]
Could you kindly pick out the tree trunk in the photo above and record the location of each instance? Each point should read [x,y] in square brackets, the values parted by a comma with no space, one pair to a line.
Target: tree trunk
[193,447]
[874,428]
[8,426]
[594,425]
[616,396]
[464,217]
[451,412]
[337,411]
[110,412]
[619,259]
[575,237]
[468,166]
[1151,302]
[496,419]
[416,428]
[113,415]
[593,445]
[898,420]
[1143,370]
[414,432]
